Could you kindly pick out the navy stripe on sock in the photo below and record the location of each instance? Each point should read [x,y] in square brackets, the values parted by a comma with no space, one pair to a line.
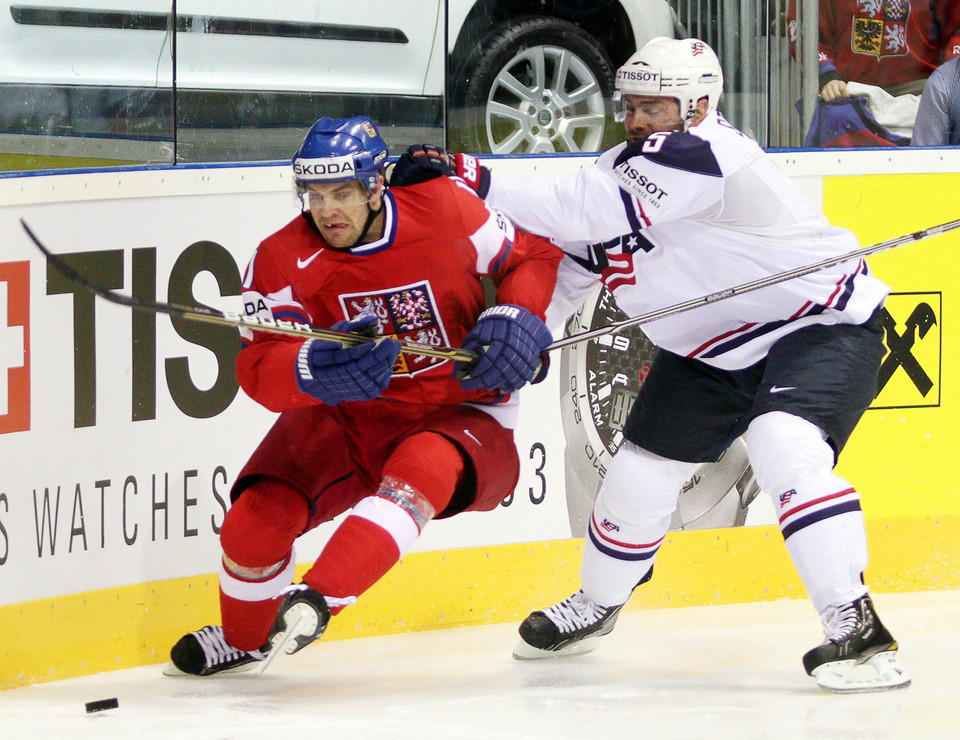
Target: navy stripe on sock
[819,516]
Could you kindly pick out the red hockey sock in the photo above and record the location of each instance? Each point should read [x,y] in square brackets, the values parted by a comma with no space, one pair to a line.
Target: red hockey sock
[247,620]
[357,556]
[421,475]
[257,539]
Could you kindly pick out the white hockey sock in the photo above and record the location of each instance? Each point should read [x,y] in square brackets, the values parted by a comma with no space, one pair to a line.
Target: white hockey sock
[818,511]
[823,529]
[630,518]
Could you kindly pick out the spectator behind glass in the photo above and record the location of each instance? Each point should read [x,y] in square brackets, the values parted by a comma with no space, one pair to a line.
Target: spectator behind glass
[893,44]
[938,118]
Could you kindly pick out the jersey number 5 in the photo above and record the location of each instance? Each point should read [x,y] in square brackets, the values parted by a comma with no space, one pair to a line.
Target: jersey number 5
[654,142]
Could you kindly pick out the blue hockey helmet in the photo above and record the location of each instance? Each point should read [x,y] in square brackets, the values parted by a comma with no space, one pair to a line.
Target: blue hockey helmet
[339,150]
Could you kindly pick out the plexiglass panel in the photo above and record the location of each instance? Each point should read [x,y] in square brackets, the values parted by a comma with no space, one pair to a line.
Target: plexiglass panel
[84,84]
[183,81]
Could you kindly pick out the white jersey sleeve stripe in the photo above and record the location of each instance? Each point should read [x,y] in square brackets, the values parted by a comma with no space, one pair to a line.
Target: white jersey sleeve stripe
[493,242]
[273,306]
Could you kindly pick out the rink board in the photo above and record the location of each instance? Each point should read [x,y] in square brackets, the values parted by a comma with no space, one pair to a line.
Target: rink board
[136,625]
[120,434]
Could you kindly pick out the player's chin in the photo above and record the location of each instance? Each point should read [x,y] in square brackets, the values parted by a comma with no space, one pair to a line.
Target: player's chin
[338,237]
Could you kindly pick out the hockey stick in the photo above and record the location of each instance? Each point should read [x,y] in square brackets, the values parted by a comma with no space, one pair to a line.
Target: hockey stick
[208,315]
[779,277]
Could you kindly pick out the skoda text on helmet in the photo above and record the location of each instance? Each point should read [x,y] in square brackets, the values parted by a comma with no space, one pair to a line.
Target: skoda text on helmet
[339,150]
[684,69]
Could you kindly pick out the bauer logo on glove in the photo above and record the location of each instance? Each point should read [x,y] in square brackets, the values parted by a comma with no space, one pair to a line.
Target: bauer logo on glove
[510,342]
[332,373]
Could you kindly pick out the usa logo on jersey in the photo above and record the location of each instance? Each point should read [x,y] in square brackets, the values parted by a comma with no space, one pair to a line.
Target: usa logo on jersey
[405,312]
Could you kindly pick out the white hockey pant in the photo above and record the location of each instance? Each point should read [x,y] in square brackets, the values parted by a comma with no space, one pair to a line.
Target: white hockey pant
[630,519]
[818,511]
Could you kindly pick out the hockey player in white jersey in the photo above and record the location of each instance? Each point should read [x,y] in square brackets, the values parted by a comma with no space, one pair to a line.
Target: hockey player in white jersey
[686,207]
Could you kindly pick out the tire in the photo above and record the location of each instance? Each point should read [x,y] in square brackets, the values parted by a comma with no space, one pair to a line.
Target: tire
[532,85]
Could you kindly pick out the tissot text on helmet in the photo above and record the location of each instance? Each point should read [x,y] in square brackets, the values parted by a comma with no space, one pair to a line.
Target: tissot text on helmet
[649,78]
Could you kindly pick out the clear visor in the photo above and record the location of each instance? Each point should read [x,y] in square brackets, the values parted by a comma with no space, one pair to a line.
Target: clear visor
[653,110]
[619,109]
[328,197]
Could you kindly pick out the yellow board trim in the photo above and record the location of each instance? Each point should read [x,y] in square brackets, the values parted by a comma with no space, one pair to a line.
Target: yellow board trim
[131,626]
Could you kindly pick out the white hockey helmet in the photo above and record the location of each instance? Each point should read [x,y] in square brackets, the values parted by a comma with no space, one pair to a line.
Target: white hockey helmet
[683,69]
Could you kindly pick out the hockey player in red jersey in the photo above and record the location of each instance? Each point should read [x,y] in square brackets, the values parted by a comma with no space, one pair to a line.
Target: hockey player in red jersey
[395,439]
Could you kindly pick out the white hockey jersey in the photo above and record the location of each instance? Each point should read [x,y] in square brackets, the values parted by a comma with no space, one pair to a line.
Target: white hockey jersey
[683,215]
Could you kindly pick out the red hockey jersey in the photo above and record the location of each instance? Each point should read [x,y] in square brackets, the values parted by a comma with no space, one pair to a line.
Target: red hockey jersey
[422,280]
[884,42]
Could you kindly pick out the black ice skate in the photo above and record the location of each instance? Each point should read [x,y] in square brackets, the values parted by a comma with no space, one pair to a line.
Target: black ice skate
[206,652]
[571,627]
[301,619]
[859,653]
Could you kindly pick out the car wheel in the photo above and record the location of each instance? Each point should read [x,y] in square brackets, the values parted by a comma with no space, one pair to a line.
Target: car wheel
[530,86]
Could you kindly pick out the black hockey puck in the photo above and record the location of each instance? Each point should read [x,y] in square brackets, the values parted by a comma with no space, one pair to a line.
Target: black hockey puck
[101,705]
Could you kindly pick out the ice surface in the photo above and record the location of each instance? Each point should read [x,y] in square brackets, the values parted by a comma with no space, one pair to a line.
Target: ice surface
[719,672]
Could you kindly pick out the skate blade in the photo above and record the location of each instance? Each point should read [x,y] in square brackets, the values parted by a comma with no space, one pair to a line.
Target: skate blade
[169,669]
[525,651]
[880,672]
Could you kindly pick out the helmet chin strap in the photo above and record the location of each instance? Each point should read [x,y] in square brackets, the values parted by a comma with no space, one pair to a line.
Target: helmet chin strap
[371,215]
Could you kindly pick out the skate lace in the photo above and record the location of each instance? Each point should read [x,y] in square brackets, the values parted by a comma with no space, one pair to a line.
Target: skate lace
[216,649]
[332,601]
[840,622]
[575,612]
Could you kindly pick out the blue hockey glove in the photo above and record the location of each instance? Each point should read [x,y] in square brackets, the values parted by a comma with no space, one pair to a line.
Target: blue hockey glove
[510,341]
[333,373]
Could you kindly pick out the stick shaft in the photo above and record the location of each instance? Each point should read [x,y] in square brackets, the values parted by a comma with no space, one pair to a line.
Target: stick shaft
[207,315]
[779,277]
